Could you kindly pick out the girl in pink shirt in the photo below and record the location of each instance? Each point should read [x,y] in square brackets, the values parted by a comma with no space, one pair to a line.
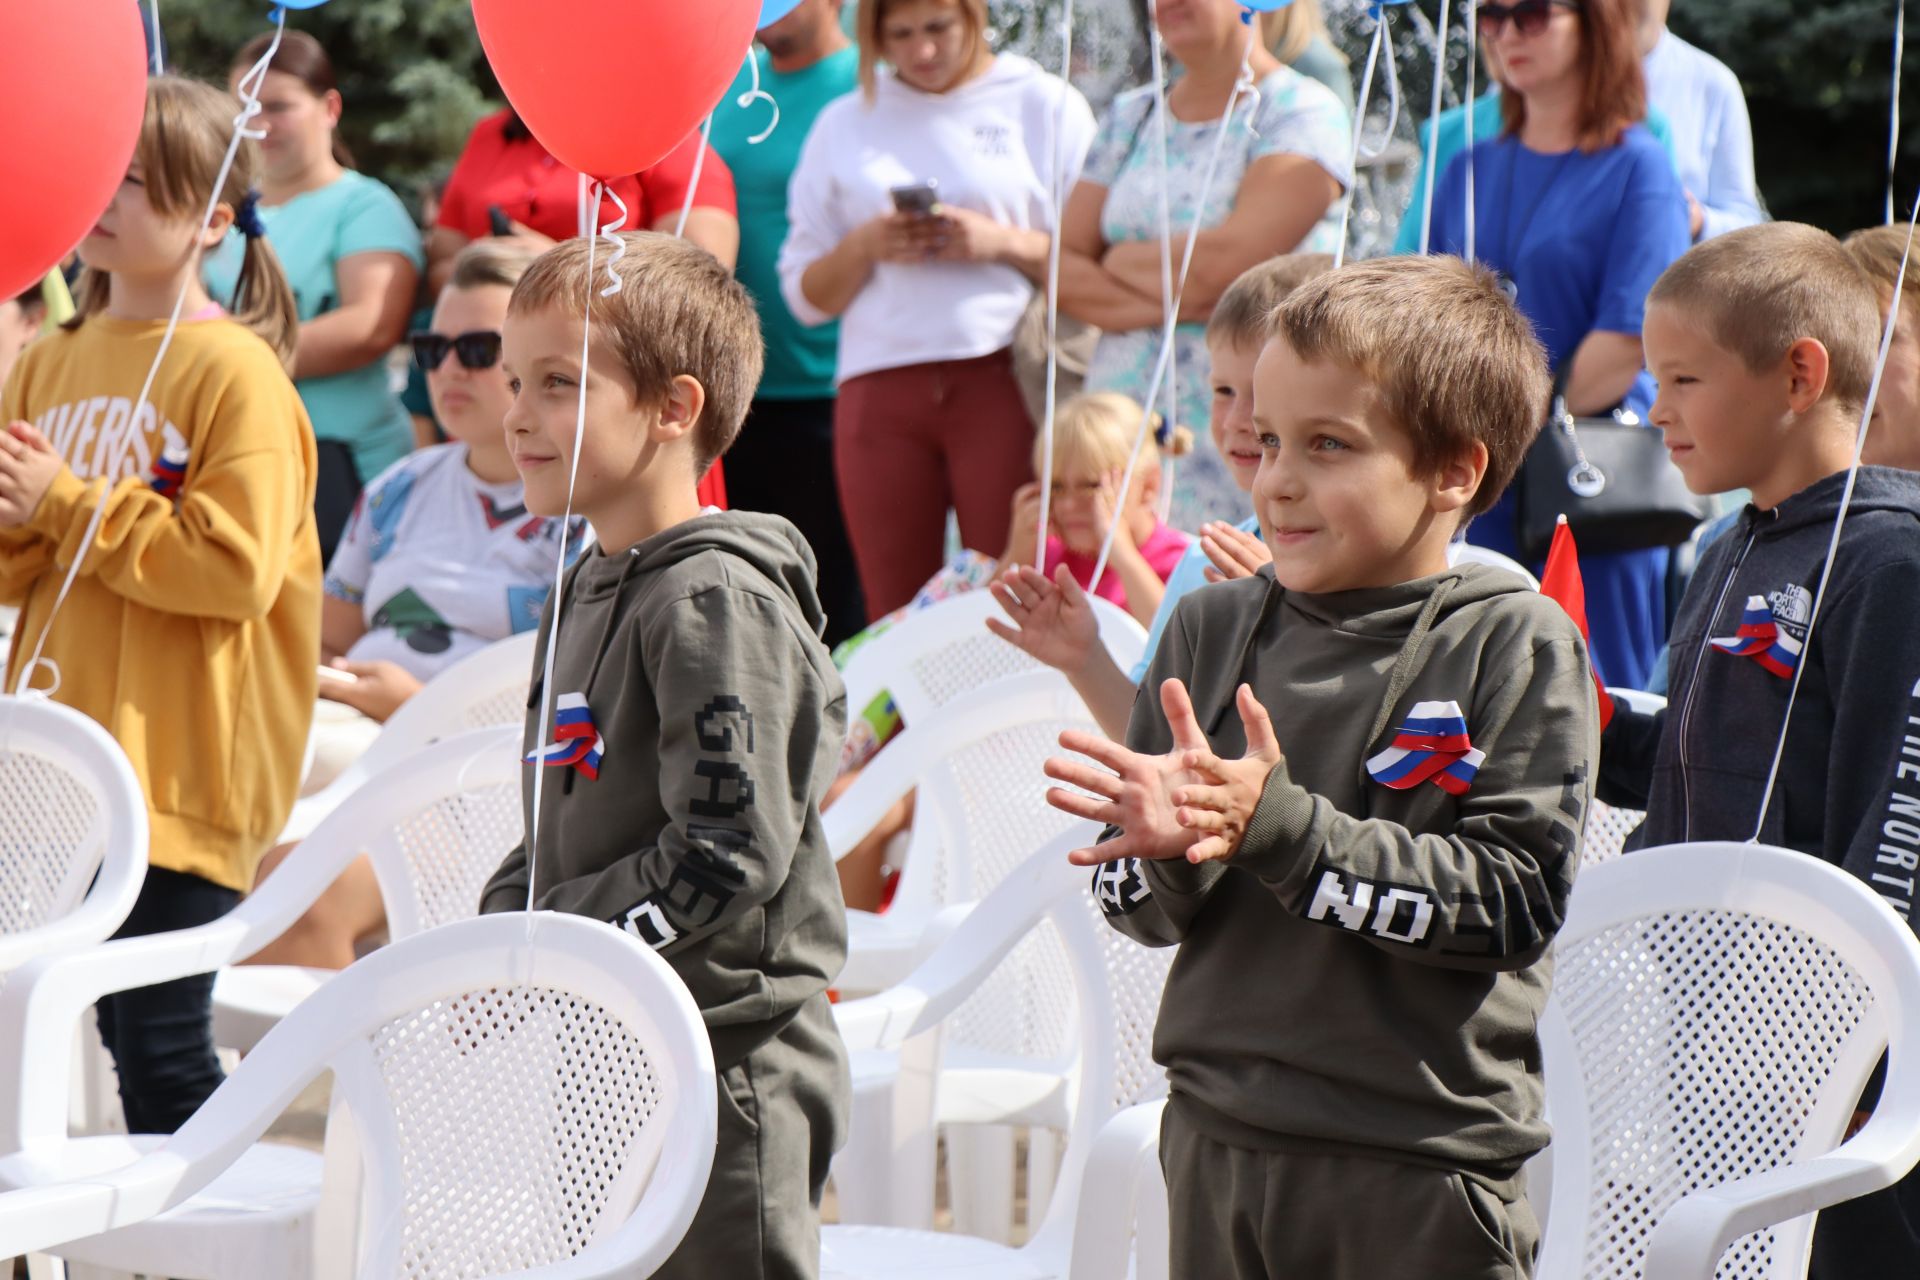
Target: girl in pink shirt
[1093,434]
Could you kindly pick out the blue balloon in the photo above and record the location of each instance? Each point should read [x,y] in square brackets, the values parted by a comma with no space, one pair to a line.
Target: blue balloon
[771,11]
[1264,6]
[295,4]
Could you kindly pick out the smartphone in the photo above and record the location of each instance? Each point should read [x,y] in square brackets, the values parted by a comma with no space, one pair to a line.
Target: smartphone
[333,675]
[497,218]
[917,198]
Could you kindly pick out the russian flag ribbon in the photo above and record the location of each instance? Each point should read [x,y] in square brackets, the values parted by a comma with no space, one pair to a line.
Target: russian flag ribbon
[1761,639]
[168,473]
[1431,745]
[576,743]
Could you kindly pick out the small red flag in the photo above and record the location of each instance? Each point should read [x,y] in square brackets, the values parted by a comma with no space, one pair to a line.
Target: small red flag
[1560,582]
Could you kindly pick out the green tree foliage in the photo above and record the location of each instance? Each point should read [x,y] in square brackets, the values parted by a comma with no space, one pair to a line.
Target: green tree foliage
[1818,76]
[411,72]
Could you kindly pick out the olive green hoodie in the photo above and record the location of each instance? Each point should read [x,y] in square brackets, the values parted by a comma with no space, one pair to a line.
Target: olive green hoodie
[720,715]
[1366,973]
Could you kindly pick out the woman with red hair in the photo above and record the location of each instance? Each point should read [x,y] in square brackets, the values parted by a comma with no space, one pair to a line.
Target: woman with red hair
[1578,208]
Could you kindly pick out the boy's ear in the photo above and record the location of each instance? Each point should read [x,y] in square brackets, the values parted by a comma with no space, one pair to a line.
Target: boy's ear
[1807,367]
[1456,483]
[680,412]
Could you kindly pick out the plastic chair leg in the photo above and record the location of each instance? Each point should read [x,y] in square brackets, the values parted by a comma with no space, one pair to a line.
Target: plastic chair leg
[1043,1171]
[980,1172]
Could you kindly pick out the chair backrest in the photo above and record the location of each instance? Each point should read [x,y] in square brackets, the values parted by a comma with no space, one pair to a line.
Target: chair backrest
[980,805]
[1716,1010]
[1608,827]
[437,826]
[929,658]
[529,1093]
[1468,553]
[482,690]
[73,830]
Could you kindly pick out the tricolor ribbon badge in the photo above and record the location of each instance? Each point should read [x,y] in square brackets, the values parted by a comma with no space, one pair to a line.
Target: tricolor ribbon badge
[1432,746]
[575,741]
[1763,639]
[169,471]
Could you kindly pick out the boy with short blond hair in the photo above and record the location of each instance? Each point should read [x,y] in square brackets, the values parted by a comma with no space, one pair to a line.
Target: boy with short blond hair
[695,718]
[1348,1028]
[1764,342]
[1052,620]
[1894,438]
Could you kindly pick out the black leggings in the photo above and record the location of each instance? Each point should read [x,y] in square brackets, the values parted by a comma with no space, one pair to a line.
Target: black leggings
[161,1037]
[336,488]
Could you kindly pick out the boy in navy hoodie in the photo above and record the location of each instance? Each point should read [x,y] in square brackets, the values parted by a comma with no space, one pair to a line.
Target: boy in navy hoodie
[1763,341]
[696,719]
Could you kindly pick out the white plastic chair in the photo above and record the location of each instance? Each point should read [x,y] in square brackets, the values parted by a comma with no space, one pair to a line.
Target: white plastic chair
[1468,553]
[530,1098]
[1716,1011]
[980,809]
[1608,827]
[929,658]
[481,691]
[430,869]
[258,1219]
[73,831]
[1085,1231]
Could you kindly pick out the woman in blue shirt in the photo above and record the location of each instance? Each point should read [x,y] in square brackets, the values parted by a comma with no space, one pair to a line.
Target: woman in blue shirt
[1578,207]
[353,255]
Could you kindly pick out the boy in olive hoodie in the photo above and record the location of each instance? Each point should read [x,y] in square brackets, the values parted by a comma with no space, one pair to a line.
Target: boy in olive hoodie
[1352,792]
[692,722]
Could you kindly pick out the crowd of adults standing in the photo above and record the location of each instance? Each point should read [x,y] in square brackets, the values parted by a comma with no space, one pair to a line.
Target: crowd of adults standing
[900,358]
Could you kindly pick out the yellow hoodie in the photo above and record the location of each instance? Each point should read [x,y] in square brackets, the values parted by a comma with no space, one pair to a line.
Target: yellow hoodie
[193,628]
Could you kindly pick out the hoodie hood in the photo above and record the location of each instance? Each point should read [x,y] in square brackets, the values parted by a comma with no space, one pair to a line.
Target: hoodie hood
[1876,489]
[769,544]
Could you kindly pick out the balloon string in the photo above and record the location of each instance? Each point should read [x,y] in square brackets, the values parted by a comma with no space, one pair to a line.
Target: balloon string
[616,247]
[1893,122]
[1433,129]
[693,186]
[548,696]
[1058,192]
[112,449]
[756,93]
[159,58]
[1472,103]
[1169,330]
[1359,127]
[1839,522]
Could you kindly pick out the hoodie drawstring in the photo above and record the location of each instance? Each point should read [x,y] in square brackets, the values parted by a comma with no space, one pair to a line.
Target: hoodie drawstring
[1267,603]
[1404,665]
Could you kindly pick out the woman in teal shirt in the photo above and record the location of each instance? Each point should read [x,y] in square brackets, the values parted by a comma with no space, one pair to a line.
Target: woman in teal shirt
[353,256]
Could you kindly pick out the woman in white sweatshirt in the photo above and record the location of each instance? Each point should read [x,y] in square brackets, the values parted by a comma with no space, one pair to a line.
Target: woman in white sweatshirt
[929,415]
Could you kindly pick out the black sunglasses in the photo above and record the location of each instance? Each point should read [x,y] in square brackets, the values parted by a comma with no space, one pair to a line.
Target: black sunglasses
[477,350]
[1530,17]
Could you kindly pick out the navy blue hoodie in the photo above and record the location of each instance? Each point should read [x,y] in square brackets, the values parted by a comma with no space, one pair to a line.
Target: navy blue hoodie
[1849,785]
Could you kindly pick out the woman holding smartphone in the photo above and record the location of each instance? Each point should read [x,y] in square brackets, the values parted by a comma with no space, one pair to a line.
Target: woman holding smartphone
[911,201]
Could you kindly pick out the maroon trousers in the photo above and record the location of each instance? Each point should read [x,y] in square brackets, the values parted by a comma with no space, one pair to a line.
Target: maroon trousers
[910,442]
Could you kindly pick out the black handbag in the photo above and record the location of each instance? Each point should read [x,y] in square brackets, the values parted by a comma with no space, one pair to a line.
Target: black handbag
[1612,479]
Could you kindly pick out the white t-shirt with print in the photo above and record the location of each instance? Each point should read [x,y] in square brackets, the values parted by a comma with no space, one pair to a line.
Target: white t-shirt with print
[442,562]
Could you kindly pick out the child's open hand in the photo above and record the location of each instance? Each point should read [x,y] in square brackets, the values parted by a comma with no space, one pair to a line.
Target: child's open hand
[1053,621]
[1222,805]
[1234,553]
[1110,510]
[1023,531]
[1134,792]
[28,465]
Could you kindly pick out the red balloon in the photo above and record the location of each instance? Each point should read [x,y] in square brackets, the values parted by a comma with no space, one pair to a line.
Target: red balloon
[76,87]
[611,86]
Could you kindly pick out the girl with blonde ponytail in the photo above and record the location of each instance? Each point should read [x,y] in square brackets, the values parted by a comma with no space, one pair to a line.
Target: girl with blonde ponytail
[156,530]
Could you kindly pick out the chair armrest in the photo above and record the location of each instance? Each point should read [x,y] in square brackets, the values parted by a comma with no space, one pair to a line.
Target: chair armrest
[1694,1233]
[93,921]
[38,1218]
[1123,1169]
[882,782]
[977,944]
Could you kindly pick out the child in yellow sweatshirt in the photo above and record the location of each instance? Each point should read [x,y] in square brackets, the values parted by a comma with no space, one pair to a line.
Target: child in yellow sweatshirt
[184,525]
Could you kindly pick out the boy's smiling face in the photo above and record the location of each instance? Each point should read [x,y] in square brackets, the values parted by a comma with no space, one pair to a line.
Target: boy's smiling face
[1336,490]
[1231,417]
[623,443]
